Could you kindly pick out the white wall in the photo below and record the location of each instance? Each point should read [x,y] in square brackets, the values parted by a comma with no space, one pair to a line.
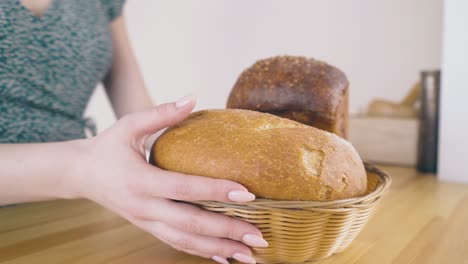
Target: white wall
[201,46]
[453,139]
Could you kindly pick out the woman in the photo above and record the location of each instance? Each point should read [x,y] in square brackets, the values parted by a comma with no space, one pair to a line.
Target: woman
[52,55]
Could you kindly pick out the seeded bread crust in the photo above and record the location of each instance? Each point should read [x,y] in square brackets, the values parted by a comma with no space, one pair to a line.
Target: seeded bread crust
[309,91]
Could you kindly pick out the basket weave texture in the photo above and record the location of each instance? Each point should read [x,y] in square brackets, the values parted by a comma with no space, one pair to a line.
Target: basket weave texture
[303,231]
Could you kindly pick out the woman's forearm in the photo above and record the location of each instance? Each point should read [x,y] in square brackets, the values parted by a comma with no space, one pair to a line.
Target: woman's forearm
[35,172]
[124,83]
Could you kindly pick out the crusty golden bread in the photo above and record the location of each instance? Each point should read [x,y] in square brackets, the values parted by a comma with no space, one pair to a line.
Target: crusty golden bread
[272,157]
[309,91]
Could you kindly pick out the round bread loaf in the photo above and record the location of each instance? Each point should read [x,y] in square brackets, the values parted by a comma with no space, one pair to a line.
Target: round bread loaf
[273,157]
[309,91]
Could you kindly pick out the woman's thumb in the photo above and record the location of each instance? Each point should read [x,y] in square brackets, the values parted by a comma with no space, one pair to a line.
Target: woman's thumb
[162,116]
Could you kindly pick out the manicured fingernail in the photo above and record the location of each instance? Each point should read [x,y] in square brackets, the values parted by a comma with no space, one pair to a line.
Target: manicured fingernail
[254,240]
[184,101]
[220,259]
[241,196]
[244,258]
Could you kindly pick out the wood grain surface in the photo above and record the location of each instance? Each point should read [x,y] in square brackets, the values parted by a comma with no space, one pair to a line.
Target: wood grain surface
[421,220]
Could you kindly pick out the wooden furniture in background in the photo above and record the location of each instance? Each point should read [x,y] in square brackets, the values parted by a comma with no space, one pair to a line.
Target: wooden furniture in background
[385,140]
[420,220]
[388,132]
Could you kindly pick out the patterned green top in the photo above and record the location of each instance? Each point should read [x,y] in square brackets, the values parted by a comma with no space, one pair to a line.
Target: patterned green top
[49,67]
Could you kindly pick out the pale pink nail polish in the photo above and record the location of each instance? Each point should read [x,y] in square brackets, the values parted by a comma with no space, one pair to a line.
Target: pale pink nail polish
[241,196]
[254,240]
[184,101]
[220,259]
[244,258]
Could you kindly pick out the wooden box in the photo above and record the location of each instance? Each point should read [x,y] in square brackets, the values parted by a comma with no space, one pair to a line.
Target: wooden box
[385,140]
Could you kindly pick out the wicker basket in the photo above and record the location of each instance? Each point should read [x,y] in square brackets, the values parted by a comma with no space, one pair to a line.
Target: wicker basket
[302,231]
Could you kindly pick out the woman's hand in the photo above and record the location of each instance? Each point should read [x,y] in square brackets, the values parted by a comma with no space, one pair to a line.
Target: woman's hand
[113,172]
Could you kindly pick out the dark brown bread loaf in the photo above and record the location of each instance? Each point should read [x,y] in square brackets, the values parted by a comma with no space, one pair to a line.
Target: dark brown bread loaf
[302,89]
[273,157]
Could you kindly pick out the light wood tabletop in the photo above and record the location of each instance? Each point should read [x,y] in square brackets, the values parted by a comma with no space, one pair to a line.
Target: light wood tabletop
[420,220]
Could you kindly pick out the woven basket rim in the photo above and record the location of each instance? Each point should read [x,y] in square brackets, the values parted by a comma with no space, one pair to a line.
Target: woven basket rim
[381,188]
[305,231]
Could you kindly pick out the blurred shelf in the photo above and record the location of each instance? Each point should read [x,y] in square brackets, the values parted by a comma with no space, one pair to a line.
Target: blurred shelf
[385,140]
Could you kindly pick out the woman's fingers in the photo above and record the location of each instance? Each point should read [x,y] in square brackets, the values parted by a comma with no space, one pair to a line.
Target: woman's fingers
[147,122]
[204,246]
[179,186]
[192,219]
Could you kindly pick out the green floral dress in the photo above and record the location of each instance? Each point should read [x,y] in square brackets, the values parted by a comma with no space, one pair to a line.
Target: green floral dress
[49,67]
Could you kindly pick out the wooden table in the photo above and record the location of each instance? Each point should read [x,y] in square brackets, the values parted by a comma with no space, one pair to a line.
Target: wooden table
[420,220]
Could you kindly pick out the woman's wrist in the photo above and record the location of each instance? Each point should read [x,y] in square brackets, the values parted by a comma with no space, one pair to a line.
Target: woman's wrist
[76,168]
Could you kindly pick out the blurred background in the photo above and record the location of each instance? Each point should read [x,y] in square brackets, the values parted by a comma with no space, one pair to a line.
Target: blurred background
[383,46]
[201,46]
